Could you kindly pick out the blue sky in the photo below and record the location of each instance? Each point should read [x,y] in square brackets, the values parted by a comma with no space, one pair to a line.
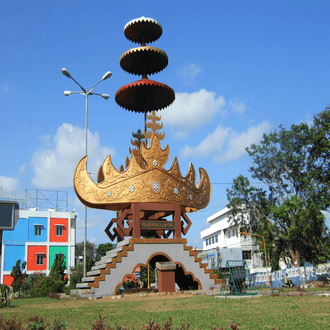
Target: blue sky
[239,69]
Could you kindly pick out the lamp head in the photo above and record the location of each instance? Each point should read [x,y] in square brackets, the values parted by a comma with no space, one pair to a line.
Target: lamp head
[105,96]
[107,75]
[67,93]
[66,72]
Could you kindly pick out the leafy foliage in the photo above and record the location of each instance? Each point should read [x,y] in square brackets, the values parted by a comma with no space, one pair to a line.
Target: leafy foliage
[144,275]
[76,275]
[58,268]
[102,250]
[296,173]
[90,253]
[18,275]
[5,296]
[45,285]
[131,282]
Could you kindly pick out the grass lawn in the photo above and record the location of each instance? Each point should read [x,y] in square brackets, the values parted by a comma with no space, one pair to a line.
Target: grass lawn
[202,312]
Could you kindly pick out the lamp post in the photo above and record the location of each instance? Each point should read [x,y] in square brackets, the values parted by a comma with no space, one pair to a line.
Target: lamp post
[86,92]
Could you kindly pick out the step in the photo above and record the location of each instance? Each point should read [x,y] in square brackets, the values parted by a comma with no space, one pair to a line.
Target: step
[82,286]
[88,279]
[103,261]
[113,252]
[101,266]
[84,293]
[94,273]
[123,243]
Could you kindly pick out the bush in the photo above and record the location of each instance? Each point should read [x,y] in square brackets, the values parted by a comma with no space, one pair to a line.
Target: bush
[36,323]
[11,324]
[45,285]
[76,276]
[18,275]
[58,268]
[5,296]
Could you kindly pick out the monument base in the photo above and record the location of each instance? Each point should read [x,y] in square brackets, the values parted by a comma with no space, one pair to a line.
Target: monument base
[109,273]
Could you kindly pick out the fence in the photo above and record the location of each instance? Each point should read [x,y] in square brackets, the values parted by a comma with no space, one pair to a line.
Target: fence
[299,276]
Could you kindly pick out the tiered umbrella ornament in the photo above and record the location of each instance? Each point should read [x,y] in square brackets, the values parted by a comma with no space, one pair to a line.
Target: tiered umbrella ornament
[144,95]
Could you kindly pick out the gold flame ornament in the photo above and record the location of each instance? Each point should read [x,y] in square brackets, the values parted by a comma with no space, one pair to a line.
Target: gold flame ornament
[115,190]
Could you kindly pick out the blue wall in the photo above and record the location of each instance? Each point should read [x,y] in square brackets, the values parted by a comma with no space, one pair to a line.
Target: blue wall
[13,253]
[17,236]
[39,221]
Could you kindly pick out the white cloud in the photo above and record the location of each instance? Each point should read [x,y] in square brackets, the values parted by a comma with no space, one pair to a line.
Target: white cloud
[214,142]
[9,184]
[189,72]
[237,106]
[54,167]
[192,111]
[225,145]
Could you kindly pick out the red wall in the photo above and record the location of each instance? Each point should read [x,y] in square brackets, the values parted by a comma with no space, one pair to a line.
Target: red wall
[53,237]
[8,280]
[32,258]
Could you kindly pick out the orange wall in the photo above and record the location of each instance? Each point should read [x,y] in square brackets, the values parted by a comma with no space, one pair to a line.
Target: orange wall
[53,237]
[8,280]
[32,258]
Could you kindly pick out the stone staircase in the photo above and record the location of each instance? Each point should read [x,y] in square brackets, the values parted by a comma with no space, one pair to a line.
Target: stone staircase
[107,274]
[99,265]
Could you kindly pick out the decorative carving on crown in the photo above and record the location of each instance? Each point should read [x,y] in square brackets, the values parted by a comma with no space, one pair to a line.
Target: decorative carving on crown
[117,189]
[155,125]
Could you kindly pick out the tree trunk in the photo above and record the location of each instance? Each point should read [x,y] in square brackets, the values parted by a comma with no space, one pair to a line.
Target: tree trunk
[295,256]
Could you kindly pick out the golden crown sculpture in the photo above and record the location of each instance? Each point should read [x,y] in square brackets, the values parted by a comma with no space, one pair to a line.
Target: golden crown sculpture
[144,194]
[117,189]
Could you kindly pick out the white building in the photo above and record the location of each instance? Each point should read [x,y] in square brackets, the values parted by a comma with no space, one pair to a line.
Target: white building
[222,241]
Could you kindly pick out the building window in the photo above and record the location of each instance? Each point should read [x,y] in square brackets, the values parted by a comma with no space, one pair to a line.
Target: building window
[207,242]
[216,238]
[212,239]
[247,255]
[40,259]
[37,230]
[228,233]
[59,230]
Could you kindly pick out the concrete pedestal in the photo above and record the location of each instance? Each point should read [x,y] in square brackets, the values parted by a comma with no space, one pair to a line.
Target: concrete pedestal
[166,276]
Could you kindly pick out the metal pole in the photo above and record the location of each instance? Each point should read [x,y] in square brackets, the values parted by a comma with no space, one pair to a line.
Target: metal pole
[263,238]
[86,93]
[85,227]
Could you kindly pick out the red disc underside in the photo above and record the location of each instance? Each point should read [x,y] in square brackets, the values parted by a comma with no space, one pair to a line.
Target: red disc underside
[145,95]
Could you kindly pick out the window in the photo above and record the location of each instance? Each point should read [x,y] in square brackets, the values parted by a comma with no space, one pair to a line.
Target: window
[228,233]
[212,239]
[40,259]
[37,230]
[59,230]
[207,242]
[247,255]
[216,238]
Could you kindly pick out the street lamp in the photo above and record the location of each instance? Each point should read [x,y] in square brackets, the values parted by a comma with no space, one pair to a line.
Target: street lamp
[86,92]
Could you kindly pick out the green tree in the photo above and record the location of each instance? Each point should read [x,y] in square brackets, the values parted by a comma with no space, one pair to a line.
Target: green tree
[19,276]
[58,268]
[289,211]
[144,275]
[102,250]
[90,252]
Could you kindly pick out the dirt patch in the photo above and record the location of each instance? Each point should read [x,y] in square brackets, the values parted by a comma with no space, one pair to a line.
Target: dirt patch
[148,296]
